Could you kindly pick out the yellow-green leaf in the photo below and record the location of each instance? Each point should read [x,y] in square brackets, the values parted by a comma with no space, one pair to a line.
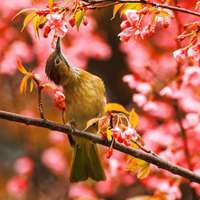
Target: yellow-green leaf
[36,23]
[51,2]
[21,68]
[28,19]
[79,15]
[31,85]
[116,8]
[132,6]
[115,107]
[91,122]
[133,118]
[141,163]
[132,164]
[23,84]
[143,172]
[109,134]
[163,13]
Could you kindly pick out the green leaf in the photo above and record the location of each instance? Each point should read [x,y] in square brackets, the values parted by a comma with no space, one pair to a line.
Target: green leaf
[79,15]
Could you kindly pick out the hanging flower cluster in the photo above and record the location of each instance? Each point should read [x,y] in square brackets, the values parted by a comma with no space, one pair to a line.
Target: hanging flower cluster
[140,21]
[56,17]
[119,125]
[191,51]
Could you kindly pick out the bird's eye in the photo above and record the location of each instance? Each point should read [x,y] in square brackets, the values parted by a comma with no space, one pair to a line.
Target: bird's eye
[57,61]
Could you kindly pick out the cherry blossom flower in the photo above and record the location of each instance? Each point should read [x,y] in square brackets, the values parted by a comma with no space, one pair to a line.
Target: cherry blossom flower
[59,100]
[191,76]
[24,165]
[133,24]
[57,23]
[54,160]
[16,186]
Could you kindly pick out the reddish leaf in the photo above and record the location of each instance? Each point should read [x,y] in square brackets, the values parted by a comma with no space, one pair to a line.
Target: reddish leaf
[24,11]
[21,68]
[51,2]
[116,8]
[23,84]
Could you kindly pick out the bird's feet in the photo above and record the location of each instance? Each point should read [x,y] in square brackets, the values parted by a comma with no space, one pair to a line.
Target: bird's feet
[70,137]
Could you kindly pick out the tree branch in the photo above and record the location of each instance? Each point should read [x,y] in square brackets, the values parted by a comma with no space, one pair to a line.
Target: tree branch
[96,139]
[174,8]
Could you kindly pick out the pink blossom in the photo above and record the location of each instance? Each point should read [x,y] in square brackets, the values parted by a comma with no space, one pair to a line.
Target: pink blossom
[171,191]
[135,23]
[54,160]
[59,100]
[180,55]
[194,52]
[24,165]
[81,190]
[190,104]
[140,99]
[126,34]
[192,76]
[191,120]
[57,23]
[57,137]
[158,109]
[167,91]
[144,88]
[130,80]
[107,187]
[132,16]
[16,186]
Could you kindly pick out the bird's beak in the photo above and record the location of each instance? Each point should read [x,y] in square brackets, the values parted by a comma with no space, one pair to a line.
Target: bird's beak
[58,49]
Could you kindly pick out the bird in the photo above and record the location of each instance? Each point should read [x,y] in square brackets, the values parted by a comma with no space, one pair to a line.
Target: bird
[85,99]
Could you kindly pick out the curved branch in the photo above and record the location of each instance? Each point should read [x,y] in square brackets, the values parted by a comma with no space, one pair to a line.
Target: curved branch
[160,163]
[174,8]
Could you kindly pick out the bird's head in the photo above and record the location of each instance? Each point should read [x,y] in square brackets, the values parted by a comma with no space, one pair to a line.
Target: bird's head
[56,64]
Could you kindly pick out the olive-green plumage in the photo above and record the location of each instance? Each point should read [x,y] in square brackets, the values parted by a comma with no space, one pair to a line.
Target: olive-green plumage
[85,99]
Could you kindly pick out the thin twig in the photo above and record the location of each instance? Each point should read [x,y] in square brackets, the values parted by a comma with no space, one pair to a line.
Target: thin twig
[40,105]
[143,148]
[175,103]
[183,135]
[39,90]
[70,137]
[96,139]
[93,3]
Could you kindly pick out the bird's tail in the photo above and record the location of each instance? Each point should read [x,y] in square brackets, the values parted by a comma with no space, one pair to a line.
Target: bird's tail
[86,163]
